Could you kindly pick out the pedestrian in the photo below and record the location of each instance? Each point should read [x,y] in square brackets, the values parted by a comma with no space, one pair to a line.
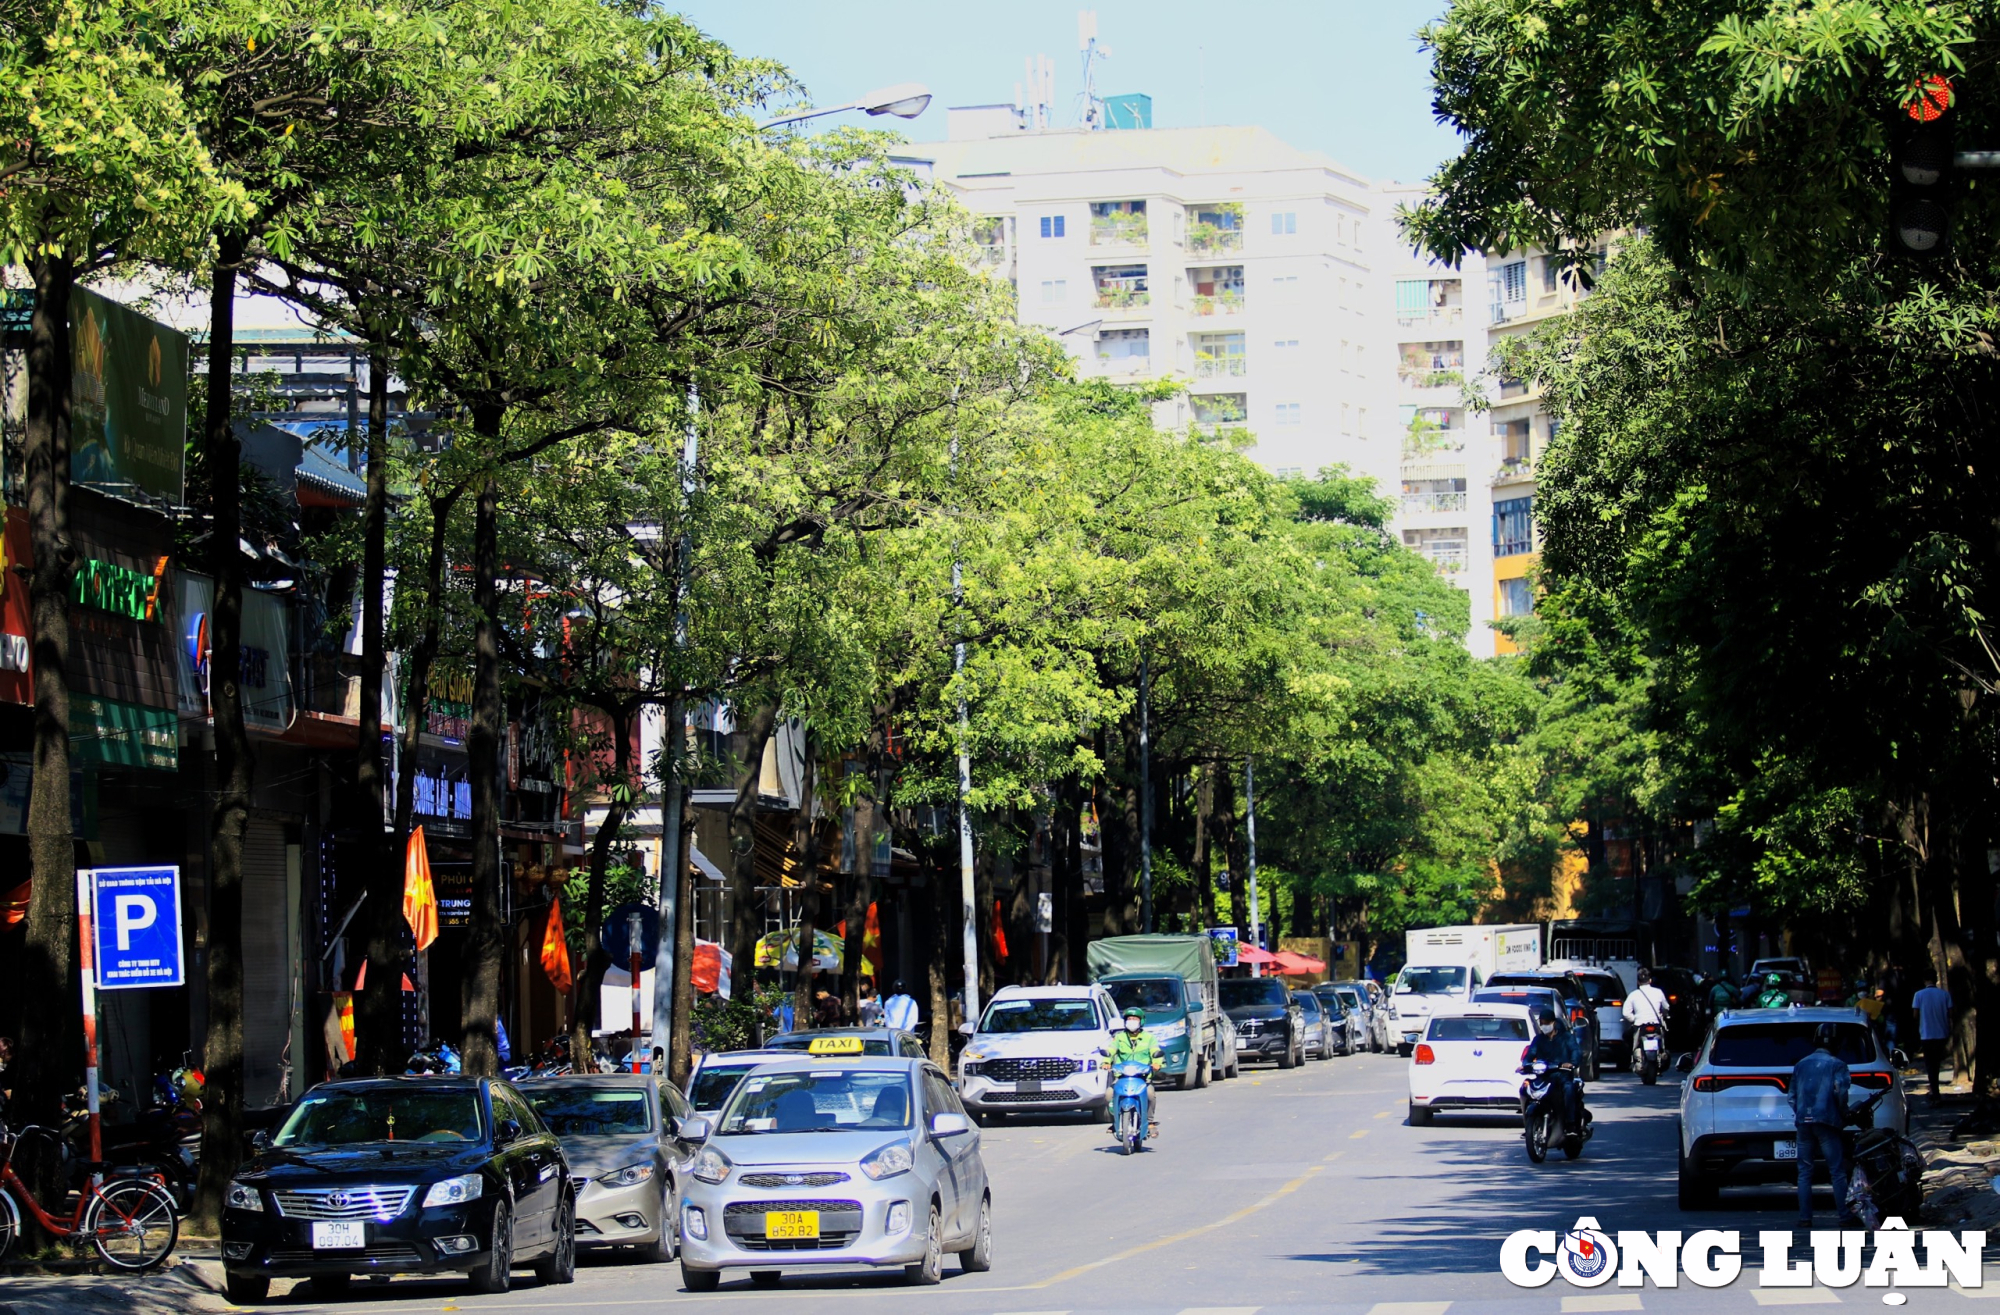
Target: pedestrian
[900,1011]
[868,1005]
[1932,1006]
[1819,1112]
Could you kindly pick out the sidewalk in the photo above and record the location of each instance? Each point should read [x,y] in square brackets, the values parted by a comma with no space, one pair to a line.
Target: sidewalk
[181,1286]
[1958,1177]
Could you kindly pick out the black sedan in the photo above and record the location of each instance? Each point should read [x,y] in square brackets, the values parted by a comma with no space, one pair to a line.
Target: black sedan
[414,1175]
[1269,1023]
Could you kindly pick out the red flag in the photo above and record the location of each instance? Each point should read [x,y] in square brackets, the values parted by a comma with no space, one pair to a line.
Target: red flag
[420,905]
[999,933]
[555,949]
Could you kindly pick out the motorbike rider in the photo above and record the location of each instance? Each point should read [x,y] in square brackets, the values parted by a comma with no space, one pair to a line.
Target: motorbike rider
[1722,993]
[1135,1045]
[1555,1046]
[1819,1112]
[1774,996]
[1646,1004]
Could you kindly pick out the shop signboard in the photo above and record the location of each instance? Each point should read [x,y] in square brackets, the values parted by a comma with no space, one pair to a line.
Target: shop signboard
[128,401]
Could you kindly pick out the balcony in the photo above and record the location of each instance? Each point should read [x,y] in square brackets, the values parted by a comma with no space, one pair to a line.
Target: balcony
[1223,302]
[1215,228]
[1513,470]
[1437,318]
[1220,408]
[1120,287]
[1423,504]
[1427,378]
[1221,367]
[1450,561]
[1118,224]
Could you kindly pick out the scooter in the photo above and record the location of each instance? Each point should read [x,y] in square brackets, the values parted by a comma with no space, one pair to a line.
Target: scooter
[1887,1179]
[1544,1120]
[1132,1092]
[1650,1047]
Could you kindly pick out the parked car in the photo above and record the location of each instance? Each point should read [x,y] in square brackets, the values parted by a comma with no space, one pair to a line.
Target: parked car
[714,1076]
[624,1156]
[1578,1013]
[1349,1018]
[410,1175]
[1467,1060]
[1736,1120]
[1268,1022]
[819,1161]
[1606,992]
[1228,1063]
[1037,1050]
[1382,1018]
[873,1041]
[1319,1041]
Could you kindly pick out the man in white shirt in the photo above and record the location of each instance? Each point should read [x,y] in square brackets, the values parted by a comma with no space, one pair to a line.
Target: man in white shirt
[900,1011]
[1646,1004]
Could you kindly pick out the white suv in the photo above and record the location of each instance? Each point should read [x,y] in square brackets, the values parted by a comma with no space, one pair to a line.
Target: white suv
[1736,1118]
[1037,1048]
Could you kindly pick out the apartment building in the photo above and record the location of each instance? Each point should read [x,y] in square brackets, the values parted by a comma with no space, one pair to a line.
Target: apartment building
[1218,255]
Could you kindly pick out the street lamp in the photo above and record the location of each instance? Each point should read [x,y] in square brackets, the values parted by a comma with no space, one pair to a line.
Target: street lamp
[904,100]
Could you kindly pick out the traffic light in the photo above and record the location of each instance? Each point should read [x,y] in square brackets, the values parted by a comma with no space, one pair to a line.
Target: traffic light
[1921,185]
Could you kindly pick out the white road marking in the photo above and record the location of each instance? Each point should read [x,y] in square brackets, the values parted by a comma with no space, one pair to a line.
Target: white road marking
[1614,1301]
[1794,1297]
[1409,1308]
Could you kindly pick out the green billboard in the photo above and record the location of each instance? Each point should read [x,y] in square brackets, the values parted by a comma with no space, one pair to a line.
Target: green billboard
[128,400]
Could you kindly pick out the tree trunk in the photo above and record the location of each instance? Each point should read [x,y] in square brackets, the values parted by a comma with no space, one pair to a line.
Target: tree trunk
[1204,862]
[680,1041]
[944,921]
[50,1059]
[222,1053]
[379,1031]
[486,942]
[744,925]
[805,845]
[596,961]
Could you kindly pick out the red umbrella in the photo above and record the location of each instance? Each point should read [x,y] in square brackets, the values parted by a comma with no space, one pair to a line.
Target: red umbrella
[1254,955]
[1297,965]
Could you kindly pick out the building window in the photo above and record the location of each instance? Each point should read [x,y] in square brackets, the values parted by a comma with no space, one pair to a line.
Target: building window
[1284,222]
[1052,225]
[1515,442]
[1120,286]
[1116,223]
[1513,527]
[1346,423]
[1284,344]
[1289,472]
[1551,273]
[1124,350]
[1054,290]
[1516,599]
[1288,413]
[1513,280]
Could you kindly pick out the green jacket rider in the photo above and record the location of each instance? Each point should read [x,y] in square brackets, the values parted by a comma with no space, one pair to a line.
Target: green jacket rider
[1134,1045]
[1775,996]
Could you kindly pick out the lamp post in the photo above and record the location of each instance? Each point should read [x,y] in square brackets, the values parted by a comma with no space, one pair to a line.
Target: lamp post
[904,100]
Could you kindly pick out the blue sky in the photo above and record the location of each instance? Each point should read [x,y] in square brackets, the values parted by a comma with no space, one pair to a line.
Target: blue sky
[1341,76]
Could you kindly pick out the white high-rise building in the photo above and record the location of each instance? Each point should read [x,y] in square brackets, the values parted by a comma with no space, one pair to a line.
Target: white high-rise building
[1218,255]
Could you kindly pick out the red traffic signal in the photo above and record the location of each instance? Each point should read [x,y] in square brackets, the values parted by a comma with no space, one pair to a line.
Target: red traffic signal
[1921,188]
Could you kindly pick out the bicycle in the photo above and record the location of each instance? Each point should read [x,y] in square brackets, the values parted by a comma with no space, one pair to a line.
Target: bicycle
[129,1222]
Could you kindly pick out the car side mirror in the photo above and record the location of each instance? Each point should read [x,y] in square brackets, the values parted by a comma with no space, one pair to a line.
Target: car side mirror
[949,1124]
[1899,1059]
[691,1128]
[1685,1064]
[260,1140]
[508,1131]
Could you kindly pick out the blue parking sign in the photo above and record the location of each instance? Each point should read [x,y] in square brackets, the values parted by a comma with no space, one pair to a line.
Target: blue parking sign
[135,918]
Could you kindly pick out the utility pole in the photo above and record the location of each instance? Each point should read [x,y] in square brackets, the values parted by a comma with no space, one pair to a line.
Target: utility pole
[673,822]
[1250,820]
[968,908]
[1145,797]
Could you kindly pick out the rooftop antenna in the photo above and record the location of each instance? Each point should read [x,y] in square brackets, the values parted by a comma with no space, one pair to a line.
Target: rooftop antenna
[1039,112]
[1089,105]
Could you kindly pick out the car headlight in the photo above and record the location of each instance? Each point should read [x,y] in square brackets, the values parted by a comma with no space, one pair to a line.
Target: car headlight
[1169,1031]
[888,1161]
[630,1176]
[455,1191]
[242,1196]
[711,1165]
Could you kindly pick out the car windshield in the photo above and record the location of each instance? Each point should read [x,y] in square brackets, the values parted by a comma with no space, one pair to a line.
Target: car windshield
[1350,998]
[582,1109]
[1479,1029]
[1518,995]
[870,1045]
[1007,1016]
[1155,995]
[1332,1001]
[1308,1003]
[1602,990]
[1562,986]
[352,1117]
[833,1100]
[1430,981]
[1781,1045]
[711,1086]
[1240,991]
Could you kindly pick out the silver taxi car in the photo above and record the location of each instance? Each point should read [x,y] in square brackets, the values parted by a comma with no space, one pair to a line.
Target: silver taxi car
[835,1159]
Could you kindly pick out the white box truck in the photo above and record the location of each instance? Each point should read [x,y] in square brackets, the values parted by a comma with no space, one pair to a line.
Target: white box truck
[1446,964]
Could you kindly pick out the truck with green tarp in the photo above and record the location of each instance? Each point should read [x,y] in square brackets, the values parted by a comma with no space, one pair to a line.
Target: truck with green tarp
[1173,979]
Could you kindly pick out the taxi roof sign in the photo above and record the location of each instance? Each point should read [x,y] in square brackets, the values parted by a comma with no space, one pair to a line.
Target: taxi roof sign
[834,1045]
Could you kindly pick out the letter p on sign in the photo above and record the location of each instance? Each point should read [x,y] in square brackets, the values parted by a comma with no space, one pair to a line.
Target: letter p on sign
[132,913]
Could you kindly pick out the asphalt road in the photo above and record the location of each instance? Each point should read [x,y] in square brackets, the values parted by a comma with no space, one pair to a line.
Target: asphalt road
[1280,1192]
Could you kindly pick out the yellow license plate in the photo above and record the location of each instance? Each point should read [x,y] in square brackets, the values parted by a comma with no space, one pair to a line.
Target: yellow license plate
[834,1045]
[791,1223]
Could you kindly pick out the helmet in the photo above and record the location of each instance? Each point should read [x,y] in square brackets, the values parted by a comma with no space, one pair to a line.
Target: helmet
[1134,1011]
[1774,979]
[1824,1035]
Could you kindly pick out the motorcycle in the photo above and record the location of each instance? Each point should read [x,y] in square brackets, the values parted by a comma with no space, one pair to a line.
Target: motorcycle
[440,1058]
[1651,1047]
[1132,1091]
[1545,1121]
[1886,1181]
[161,1141]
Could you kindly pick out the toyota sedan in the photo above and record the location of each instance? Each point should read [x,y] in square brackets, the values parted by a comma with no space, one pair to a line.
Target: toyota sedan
[833,1161]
